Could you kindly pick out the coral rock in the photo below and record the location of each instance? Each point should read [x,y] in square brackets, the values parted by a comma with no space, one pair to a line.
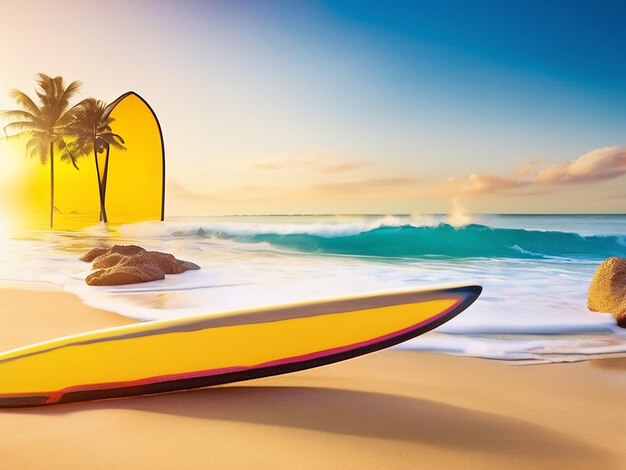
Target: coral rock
[607,292]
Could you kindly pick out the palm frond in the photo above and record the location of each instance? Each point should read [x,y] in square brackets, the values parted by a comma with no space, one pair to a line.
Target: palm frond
[116,145]
[18,127]
[47,89]
[118,138]
[65,119]
[25,101]
[113,140]
[67,93]
[67,154]
[38,146]
[18,114]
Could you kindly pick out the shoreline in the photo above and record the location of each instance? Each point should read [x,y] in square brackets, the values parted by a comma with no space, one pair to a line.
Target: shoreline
[393,408]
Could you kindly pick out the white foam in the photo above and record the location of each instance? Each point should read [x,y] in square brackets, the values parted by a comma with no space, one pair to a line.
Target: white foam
[459,216]
[329,228]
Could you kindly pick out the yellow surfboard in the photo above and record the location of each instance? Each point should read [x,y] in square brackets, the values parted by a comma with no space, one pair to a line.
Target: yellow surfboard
[199,351]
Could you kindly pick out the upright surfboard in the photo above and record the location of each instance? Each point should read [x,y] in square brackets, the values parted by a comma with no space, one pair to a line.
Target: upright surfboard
[133,179]
[168,355]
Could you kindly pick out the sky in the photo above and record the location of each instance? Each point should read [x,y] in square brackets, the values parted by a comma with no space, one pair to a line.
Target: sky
[353,106]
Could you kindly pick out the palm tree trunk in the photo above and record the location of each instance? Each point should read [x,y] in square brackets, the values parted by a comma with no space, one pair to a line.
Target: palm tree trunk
[105,173]
[51,151]
[103,213]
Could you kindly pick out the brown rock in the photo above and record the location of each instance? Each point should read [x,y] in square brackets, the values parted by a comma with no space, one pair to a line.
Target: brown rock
[607,292]
[128,264]
[93,254]
[164,261]
[119,275]
[188,265]
[115,254]
[126,249]
[108,260]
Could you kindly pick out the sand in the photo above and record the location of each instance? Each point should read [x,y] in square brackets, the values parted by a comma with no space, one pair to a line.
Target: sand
[395,409]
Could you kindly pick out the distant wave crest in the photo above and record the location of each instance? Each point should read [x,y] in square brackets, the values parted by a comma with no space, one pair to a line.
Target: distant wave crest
[389,239]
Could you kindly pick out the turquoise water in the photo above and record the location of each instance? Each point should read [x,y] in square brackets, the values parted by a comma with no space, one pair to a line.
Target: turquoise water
[441,240]
[509,236]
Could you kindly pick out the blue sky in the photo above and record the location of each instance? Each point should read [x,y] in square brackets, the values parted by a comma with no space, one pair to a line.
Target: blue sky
[360,107]
[577,42]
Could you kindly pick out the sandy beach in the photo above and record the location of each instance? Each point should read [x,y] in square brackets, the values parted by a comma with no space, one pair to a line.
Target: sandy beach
[398,409]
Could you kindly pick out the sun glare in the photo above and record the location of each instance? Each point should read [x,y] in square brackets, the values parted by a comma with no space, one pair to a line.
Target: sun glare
[11,172]
[10,167]
[4,227]
[5,235]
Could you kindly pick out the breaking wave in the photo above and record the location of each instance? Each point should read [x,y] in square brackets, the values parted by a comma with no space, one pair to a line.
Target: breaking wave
[387,239]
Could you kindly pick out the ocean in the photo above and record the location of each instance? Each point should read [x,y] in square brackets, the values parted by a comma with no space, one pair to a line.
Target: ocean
[535,271]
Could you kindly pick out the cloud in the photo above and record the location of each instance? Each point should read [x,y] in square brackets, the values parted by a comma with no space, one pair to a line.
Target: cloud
[329,180]
[287,162]
[322,161]
[478,183]
[269,165]
[176,189]
[365,185]
[598,165]
[602,164]
[341,167]
[528,168]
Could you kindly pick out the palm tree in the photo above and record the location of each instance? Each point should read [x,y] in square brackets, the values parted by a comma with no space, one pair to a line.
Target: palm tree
[91,133]
[45,123]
